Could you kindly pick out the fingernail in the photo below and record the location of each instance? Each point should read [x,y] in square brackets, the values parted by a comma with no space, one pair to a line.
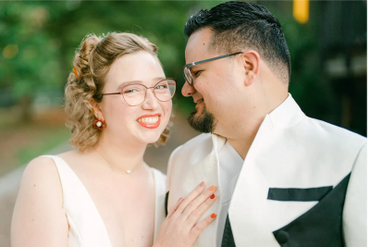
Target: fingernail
[213,215]
[212,196]
[179,199]
[212,188]
[201,184]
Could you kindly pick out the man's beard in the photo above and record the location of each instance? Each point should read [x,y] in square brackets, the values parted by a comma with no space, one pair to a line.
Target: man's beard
[204,123]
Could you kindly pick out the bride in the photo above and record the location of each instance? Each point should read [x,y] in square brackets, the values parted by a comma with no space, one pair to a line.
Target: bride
[103,194]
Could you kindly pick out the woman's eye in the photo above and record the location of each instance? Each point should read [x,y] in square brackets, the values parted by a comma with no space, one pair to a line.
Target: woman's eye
[133,90]
[161,87]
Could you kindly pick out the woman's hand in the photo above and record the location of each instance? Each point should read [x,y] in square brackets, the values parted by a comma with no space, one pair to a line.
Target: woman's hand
[181,227]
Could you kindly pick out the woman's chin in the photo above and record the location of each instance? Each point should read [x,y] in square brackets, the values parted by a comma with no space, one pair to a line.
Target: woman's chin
[151,139]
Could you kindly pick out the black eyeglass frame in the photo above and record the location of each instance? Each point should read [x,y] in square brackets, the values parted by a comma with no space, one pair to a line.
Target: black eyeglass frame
[165,79]
[187,66]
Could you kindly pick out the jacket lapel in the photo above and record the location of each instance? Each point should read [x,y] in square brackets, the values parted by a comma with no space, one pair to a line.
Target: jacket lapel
[205,169]
[249,201]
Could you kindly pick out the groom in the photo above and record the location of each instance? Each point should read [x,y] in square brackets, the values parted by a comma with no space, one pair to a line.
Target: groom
[283,179]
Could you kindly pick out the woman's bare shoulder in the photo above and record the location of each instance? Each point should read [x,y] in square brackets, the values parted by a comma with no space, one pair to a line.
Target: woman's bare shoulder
[70,155]
[40,171]
[39,166]
[38,208]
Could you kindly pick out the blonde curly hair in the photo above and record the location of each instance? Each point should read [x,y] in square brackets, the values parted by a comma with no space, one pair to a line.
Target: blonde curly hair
[91,65]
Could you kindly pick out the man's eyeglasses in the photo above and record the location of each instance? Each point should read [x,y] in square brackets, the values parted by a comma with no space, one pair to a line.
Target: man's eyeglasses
[187,72]
[135,94]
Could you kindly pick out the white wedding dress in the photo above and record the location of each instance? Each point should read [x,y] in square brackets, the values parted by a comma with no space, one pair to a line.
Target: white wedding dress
[87,228]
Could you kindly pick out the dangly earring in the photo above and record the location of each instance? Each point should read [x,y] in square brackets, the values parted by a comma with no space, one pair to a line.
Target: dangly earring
[99,124]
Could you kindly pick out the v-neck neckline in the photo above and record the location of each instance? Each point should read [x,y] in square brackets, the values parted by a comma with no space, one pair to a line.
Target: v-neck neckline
[96,209]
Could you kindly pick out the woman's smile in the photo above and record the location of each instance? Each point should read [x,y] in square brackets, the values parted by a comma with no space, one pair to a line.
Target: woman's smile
[150,121]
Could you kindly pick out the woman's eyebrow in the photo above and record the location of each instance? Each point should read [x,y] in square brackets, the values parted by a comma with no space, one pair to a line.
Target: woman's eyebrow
[155,80]
[126,83]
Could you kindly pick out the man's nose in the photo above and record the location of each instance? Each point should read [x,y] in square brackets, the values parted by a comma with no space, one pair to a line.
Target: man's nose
[187,90]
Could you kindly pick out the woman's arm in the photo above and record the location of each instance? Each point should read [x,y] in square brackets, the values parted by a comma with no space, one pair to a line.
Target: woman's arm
[38,217]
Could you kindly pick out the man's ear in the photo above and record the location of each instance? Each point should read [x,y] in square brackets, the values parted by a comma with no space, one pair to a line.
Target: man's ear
[251,66]
[96,109]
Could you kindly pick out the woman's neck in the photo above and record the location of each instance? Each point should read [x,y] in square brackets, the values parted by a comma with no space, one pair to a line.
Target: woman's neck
[123,159]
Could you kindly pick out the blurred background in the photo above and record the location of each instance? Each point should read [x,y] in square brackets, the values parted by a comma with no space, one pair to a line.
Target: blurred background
[327,41]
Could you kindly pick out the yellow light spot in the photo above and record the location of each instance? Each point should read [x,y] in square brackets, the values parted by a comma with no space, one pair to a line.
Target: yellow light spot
[301,9]
[10,51]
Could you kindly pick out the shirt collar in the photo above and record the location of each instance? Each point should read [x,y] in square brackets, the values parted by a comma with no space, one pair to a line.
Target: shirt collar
[286,115]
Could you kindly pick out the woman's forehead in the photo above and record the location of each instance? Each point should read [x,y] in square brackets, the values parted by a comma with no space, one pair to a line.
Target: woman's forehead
[142,67]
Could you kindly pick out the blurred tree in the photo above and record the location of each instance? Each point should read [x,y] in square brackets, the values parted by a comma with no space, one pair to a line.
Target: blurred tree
[307,85]
[38,39]
[34,55]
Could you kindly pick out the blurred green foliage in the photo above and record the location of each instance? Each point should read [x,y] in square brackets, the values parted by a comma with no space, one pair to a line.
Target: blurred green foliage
[38,41]
[308,84]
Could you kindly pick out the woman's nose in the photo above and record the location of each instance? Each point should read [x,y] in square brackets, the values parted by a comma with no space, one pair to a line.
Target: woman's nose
[150,101]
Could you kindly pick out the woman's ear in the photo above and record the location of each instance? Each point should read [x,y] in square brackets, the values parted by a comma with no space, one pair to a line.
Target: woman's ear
[251,61]
[96,109]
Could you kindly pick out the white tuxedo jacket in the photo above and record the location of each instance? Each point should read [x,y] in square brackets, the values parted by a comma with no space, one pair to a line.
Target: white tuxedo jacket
[303,183]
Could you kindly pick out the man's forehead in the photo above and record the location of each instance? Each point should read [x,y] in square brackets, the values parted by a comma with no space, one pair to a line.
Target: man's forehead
[197,46]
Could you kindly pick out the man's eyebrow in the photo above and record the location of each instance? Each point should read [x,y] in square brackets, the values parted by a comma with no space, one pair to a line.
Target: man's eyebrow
[195,66]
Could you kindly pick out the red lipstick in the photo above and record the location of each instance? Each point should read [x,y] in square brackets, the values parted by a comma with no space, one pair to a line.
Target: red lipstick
[150,121]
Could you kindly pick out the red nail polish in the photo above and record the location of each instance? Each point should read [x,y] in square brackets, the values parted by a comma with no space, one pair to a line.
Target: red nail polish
[213,215]
[212,188]
[212,196]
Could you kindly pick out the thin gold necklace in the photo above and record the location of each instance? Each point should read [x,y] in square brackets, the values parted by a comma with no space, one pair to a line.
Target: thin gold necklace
[127,171]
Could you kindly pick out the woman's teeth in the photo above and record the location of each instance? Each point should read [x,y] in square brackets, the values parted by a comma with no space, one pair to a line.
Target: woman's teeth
[148,119]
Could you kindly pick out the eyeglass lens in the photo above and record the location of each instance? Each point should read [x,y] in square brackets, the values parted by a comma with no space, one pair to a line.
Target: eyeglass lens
[135,94]
[188,76]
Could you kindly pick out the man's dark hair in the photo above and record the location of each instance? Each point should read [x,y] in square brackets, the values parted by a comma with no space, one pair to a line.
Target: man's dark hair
[239,25]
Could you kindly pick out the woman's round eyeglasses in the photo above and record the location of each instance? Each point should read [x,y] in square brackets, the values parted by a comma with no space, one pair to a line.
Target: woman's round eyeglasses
[135,94]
